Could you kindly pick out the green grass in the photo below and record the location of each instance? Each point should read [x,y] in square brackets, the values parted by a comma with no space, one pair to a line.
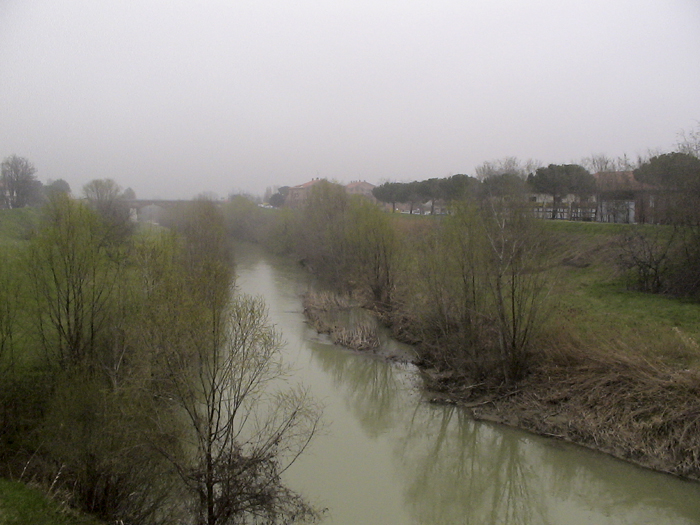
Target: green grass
[22,505]
[586,228]
[595,303]
[16,225]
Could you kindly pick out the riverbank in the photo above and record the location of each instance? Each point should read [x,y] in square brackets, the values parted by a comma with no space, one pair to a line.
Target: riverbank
[636,408]
[633,410]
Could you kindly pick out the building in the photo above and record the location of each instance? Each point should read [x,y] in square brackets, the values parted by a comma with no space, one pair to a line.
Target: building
[298,194]
[623,199]
[569,207]
[360,187]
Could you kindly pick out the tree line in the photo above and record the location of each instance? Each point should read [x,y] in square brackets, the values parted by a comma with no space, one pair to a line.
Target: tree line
[134,383]
[671,178]
[20,187]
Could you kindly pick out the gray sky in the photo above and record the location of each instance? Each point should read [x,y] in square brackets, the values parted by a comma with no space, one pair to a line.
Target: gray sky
[174,98]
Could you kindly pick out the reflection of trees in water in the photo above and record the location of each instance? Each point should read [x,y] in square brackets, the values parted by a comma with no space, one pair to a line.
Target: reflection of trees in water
[615,488]
[371,387]
[458,471]
[463,472]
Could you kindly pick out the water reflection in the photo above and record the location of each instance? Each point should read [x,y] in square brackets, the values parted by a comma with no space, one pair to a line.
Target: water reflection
[395,456]
[460,471]
[372,389]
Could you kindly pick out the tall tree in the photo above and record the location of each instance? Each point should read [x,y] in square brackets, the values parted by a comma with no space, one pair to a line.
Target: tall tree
[677,177]
[599,163]
[510,165]
[106,198]
[559,180]
[373,249]
[129,194]
[428,191]
[56,186]
[388,192]
[483,290]
[411,192]
[679,171]
[504,186]
[689,141]
[243,434]
[322,240]
[516,281]
[20,186]
[458,187]
[73,280]
[219,365]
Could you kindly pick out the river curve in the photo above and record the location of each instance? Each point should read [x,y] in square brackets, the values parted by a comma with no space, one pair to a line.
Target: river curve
[387,456]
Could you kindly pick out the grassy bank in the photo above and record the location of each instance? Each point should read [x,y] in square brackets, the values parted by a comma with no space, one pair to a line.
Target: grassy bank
[22,505]
[16,225]
[598,311]
[613,369]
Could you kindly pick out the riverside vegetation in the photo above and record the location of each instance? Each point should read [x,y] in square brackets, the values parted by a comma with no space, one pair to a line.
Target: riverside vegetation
[135,384]
[117,343]
[545,325]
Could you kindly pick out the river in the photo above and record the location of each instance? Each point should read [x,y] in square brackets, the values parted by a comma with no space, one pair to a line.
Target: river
[387,456]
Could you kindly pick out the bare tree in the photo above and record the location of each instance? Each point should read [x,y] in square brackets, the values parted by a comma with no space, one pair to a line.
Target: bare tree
[484,291]
[517,284]
[689,141]
[242,433]
[373,251]
[506,165]
[646,256]
[102,190]
[72,281]
[599,163]
[20,187]
[106,198]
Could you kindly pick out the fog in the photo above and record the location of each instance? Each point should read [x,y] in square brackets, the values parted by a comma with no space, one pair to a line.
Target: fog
[176,98]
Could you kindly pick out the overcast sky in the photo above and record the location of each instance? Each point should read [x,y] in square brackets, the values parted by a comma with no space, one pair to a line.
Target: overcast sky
[173,98]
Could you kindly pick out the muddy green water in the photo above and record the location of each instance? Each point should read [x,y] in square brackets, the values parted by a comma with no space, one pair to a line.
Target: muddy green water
[389,457]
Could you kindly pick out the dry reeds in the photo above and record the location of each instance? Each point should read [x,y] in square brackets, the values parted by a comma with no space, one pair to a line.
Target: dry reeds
[363,336]
[320,309]
[617,402]
[325,301]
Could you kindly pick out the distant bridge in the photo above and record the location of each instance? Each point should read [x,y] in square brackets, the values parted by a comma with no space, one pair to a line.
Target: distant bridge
[151,209]
[163,203]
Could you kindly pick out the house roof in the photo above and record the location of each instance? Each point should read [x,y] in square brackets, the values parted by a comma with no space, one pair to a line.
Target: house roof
[619,180]
[356,183]
[308,184]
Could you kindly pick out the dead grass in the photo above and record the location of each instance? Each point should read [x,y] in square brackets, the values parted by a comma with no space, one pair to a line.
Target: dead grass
[611,399]
[321,310]
[633,408]
[325,301]
[362,336]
